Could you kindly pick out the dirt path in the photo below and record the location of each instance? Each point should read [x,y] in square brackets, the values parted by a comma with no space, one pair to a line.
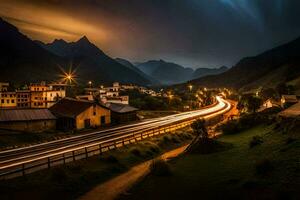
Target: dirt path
[120,184]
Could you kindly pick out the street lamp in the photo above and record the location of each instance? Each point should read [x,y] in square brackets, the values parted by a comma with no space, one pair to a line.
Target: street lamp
[190,87]
[90,84]
[69,78]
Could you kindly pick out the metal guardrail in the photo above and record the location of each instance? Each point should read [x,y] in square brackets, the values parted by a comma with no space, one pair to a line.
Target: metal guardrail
[96,148]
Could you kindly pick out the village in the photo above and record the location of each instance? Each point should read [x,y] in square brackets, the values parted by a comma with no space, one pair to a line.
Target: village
[47,106]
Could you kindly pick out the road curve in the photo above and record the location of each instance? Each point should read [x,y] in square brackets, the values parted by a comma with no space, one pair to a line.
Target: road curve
[16,156]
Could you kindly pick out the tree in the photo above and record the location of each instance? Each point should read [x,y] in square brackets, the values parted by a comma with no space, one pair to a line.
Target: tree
[249,103]
[267,93]
[281,89]
[253,103]
[199,129]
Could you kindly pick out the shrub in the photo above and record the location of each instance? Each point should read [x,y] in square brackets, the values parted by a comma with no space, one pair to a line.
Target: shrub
[263,167]
[246,121]
[160,167]
[256,140]
[166,139]
[135,151]
[154,148]
[199,128]
[175,139]
[231,127]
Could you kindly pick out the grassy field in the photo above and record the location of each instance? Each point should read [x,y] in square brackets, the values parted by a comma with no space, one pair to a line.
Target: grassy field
[74,179]
[270,170]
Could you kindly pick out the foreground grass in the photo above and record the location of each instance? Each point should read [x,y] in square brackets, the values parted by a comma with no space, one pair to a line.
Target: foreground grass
[74,179]
[269,170]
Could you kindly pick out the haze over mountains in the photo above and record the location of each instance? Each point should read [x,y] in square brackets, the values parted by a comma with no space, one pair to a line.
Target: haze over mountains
[280,64]
[24,60]
[94,63]
[170,73]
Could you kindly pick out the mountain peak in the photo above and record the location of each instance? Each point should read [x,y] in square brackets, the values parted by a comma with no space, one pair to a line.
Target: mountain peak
[84,39]
[59,41]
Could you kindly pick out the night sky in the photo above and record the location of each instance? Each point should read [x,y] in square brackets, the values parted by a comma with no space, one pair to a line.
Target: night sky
[194,33]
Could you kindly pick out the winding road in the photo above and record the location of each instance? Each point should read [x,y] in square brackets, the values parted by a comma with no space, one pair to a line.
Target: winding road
[19,156]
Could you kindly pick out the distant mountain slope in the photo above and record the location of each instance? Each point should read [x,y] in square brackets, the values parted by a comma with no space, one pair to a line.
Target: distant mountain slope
[93,64]
[22,60]
[170,73]
[166,72]
[134,68]
[279,64]
[201,72]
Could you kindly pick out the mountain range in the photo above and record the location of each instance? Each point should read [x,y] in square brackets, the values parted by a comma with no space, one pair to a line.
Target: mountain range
[93,64]
[168,73]
[268,69]
[23,60]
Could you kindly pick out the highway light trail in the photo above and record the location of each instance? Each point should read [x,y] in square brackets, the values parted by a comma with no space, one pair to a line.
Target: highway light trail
[19,156]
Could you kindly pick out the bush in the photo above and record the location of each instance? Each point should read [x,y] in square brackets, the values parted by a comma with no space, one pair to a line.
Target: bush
[244,122]
[154,149]
[135,151]
[175,139]
[256,140]
[160,167]
[263,167]
[166,139]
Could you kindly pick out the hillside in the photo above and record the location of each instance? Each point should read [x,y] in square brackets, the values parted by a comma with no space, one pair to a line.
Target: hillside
[166,72]
[22,60]
[128,64]
[267,171]
[171,73]
[201,72]
[269,68]
[91,63]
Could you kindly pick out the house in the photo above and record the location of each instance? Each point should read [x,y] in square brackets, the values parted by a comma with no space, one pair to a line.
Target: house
[117,100]
[79,114]
[108,94]
[288,100]
[86,97]
[271,103]
[29,120]
[46,95]
[39,95]
[23,98]
[8,99]
[291,112]
[121,113]
[4,86]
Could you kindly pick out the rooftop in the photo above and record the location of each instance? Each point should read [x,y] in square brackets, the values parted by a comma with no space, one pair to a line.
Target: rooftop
[120,108]
[292,111]
[7,115]
[68,107]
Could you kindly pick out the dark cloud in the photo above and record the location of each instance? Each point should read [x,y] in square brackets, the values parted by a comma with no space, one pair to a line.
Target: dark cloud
[194,33]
